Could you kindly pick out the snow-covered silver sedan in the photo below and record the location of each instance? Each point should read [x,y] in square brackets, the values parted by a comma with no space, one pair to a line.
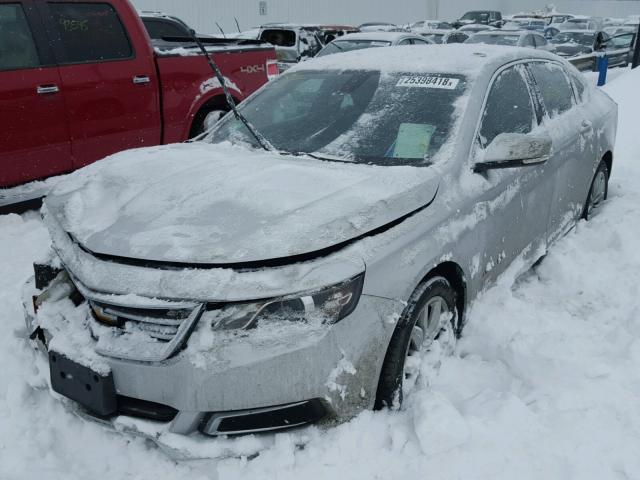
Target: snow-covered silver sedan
[358,41]
[299,268]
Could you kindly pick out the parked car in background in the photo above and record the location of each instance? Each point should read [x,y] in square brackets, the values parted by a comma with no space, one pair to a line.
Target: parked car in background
[621,41]
[516,38]
[80,81]
[485,17]
[160,25]
[380,27]
[456,36]
[581,23]
[331,32]
[220,288]
[582,46]
[556,18]
[358,41]
[435,36]
[536,24]
[293,42]
[419,27]
[475,28]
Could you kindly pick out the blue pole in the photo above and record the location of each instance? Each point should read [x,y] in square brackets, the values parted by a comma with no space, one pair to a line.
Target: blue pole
[603,65]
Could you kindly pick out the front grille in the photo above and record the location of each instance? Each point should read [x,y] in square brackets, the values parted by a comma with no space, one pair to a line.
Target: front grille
[142,333]
[161,323]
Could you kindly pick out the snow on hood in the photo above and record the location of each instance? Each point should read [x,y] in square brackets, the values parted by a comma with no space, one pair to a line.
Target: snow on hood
[220,204]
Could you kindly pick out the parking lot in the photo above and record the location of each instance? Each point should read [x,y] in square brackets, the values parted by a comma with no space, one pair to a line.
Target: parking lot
[279,199]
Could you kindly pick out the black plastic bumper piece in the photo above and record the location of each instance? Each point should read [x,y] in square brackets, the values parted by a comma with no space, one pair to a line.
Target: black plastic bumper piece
[93,391]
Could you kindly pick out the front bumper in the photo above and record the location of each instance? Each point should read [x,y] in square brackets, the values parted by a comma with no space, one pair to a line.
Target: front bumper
[235,382]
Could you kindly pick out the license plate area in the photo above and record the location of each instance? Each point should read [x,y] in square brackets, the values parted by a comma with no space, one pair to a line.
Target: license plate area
[90,389]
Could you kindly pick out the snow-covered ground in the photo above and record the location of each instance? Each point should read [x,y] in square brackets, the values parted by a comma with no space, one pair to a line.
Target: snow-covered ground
[545,383]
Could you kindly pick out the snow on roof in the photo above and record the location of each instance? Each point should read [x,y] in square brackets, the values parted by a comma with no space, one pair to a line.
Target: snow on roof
[467,59]
[376,36]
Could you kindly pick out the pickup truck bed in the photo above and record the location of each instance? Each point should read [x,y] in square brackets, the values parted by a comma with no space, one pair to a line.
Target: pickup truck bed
[101,86]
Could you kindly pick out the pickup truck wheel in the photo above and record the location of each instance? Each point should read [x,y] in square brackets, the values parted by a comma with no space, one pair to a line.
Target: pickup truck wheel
[427,327]
[598,191]
[205,119]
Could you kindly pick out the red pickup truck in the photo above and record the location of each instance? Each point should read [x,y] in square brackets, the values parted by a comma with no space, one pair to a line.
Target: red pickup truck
[80,79]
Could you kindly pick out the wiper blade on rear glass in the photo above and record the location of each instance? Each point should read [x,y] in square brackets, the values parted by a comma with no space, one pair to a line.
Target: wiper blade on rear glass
[263,142]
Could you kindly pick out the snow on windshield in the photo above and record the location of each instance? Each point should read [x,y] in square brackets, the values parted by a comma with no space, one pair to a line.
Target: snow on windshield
[357,116]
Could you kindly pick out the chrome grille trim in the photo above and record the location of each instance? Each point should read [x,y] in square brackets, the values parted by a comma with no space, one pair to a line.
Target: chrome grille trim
[166,343]
[167,324]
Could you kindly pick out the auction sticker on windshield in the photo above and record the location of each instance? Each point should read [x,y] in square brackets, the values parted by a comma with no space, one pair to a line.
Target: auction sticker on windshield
[428,81]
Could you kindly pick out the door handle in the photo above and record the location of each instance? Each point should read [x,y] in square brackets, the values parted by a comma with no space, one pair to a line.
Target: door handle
[47,89]
[586,127]
[141,80]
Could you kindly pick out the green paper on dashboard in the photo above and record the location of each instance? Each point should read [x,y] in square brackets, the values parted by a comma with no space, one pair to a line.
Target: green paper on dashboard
[413,140]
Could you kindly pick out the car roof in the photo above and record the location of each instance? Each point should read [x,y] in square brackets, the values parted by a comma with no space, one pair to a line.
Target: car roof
[434,31]
[377,36]
[580,31]
[472,60]
[504,32]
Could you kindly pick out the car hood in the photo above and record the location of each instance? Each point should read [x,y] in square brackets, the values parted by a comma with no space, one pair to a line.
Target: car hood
[223,205]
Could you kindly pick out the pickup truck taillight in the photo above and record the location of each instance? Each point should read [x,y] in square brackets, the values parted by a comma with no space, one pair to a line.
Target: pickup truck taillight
[272,69]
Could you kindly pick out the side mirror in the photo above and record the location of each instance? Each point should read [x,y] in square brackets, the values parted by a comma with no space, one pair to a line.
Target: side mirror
[510,150]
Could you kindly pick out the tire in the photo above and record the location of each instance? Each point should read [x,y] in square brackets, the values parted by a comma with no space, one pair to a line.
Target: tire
[205,118]
[598,191]
[393,375]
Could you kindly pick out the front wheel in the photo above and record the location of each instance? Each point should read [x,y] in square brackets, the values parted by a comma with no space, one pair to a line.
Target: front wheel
[428,324]
[598,191]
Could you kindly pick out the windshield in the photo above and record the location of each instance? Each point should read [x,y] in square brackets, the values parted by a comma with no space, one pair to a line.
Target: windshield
[355,116]
[346,45]
[477,17]
[574,37]
[495,39]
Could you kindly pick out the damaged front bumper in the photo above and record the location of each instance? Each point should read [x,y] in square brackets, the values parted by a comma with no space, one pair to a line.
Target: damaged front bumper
[219,383]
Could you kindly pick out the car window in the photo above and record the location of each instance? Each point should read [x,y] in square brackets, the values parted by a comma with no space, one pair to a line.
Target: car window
[279,38]
[89,32]
[17,48]
[621,41]
[158,29]
[554,87]
[406,41]
[579,86]
[509,108]
[528,41]
[417,41]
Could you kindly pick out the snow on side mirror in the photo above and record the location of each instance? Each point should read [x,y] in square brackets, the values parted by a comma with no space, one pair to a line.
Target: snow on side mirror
[510,150]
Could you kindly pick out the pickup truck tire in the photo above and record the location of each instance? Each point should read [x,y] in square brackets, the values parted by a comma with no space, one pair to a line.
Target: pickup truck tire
[207,117]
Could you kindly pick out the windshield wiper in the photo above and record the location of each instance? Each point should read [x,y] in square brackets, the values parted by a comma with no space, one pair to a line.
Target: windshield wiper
[263,142]
[328,158]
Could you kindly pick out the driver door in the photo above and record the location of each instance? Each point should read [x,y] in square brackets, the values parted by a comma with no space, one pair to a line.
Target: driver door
[515,201]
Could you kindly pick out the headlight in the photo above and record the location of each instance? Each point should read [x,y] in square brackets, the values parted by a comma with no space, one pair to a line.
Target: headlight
[328,306]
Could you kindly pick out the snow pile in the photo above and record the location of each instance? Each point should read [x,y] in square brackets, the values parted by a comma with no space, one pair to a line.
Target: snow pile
[544,384]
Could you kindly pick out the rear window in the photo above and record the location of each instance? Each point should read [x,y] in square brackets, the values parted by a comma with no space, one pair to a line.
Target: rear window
[279,38]
[17,49]
[157,29]
[89,32]
[494,39]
